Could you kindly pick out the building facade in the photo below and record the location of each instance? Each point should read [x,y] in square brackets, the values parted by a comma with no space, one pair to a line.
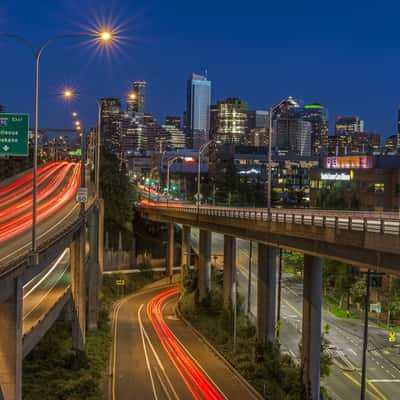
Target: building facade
[111,132]
[361,182]
[230,119]
[136,100]
[317,115]
[197,116]
[348,125]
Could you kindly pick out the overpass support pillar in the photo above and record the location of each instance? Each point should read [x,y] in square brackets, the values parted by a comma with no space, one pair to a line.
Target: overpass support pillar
[170,250]
[204,272]
[311,331]
[229,270]
[78,288]
[266,293]
[94,271]
[11,344]
[186,246]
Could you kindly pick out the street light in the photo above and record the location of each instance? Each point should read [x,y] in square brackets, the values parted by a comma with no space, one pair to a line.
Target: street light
[69,94]
[169,163]
[103,36]
[201,150]
[269,183]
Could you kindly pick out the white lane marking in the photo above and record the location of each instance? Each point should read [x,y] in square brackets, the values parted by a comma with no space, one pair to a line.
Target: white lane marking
[192,357]
[45,295]
[145,352]
[384,380]
[40,236]
[160,364]
[352,351]
[46,275]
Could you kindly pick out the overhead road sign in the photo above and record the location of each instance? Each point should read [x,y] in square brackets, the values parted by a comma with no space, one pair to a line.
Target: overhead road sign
[14,134]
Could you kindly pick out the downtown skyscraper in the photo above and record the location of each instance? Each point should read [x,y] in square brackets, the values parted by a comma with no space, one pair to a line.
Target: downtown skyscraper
[197,115]
[136,101]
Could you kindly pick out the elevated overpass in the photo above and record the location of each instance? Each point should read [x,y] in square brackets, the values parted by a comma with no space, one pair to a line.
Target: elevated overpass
[61,227]
[364,239]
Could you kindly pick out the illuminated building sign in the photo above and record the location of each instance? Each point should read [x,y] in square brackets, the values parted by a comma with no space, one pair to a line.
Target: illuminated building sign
[336,176]
[349,162]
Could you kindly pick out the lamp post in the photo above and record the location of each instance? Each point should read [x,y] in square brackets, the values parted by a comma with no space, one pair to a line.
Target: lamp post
[201,150]
[269,183]
[37,53]
[68,94]
[169,163]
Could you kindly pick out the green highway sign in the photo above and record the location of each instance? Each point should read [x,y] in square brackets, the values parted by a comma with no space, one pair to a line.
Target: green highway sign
[14,134]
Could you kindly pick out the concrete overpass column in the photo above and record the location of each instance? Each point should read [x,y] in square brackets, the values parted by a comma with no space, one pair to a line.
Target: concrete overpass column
[170,250]
[311,331]
[78,288]
[266,293]
[94,272]
[204,272]
[229,270]
[186,246]
[11,344]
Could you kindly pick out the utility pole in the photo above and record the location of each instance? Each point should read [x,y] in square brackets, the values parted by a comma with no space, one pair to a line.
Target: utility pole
[365,340]
[249,281]
[278,313]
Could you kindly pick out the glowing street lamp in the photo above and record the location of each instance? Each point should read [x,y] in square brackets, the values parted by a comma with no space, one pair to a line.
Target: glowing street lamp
[74,114]
[103,36]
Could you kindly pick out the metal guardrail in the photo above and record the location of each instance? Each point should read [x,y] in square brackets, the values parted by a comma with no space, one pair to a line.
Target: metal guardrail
[378,222]
[22,259]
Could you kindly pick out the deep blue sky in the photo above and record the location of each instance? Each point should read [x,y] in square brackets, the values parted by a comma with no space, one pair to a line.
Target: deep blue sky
[344,54]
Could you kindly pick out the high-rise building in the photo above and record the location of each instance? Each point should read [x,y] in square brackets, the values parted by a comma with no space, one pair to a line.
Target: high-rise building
[111,124]
[173,120]
[357,143]
[230,121]
[391,144]
[348,125]
[257,128]
[197,117]
[317,115]
[136,100]
[291,132]
[172,137]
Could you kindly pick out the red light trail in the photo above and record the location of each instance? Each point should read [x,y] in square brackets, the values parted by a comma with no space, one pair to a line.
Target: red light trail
[199,385]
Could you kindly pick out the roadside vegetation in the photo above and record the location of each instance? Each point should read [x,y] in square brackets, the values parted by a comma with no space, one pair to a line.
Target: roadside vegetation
[52,371]
[275,375]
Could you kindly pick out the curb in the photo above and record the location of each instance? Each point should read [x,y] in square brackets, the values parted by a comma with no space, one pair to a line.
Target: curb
[250,388]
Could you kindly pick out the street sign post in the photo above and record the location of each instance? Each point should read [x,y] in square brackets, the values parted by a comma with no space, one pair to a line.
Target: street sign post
[14,134]
[82,195]
[392,336]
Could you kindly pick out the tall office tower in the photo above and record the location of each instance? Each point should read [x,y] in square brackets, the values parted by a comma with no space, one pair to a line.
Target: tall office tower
[317,114]
[173,120]
[197,117]
[257,128]
[291,132]
[136,100]
[111,124]
[231,121]
[390,145]
[348,125]
[398,131]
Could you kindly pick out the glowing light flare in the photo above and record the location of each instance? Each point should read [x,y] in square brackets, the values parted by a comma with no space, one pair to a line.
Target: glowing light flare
[74,114]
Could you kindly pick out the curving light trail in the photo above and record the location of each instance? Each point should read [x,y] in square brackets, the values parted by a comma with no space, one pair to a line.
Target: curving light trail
[199,384]
[47,207]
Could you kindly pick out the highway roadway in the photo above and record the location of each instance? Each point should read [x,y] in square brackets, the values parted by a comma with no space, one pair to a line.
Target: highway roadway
[345,336]
[41,293]
[156,356]
[57,208]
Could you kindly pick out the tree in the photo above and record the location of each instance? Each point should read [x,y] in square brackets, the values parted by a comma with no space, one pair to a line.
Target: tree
[391,299]
[357,291]
[118,196]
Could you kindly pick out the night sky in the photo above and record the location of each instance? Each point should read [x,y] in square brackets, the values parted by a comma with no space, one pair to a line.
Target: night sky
[344,54]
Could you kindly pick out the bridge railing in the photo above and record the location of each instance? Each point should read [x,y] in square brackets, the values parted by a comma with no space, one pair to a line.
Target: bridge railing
[367,221]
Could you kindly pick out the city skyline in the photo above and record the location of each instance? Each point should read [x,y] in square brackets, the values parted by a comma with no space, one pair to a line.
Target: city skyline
[335,71]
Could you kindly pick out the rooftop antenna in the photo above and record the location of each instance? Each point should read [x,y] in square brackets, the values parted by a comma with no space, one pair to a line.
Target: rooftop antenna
[206,73]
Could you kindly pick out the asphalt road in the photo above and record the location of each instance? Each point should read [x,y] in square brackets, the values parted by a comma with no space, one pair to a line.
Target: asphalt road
[20,245]
[42,292]
[144,367]
[383,362]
